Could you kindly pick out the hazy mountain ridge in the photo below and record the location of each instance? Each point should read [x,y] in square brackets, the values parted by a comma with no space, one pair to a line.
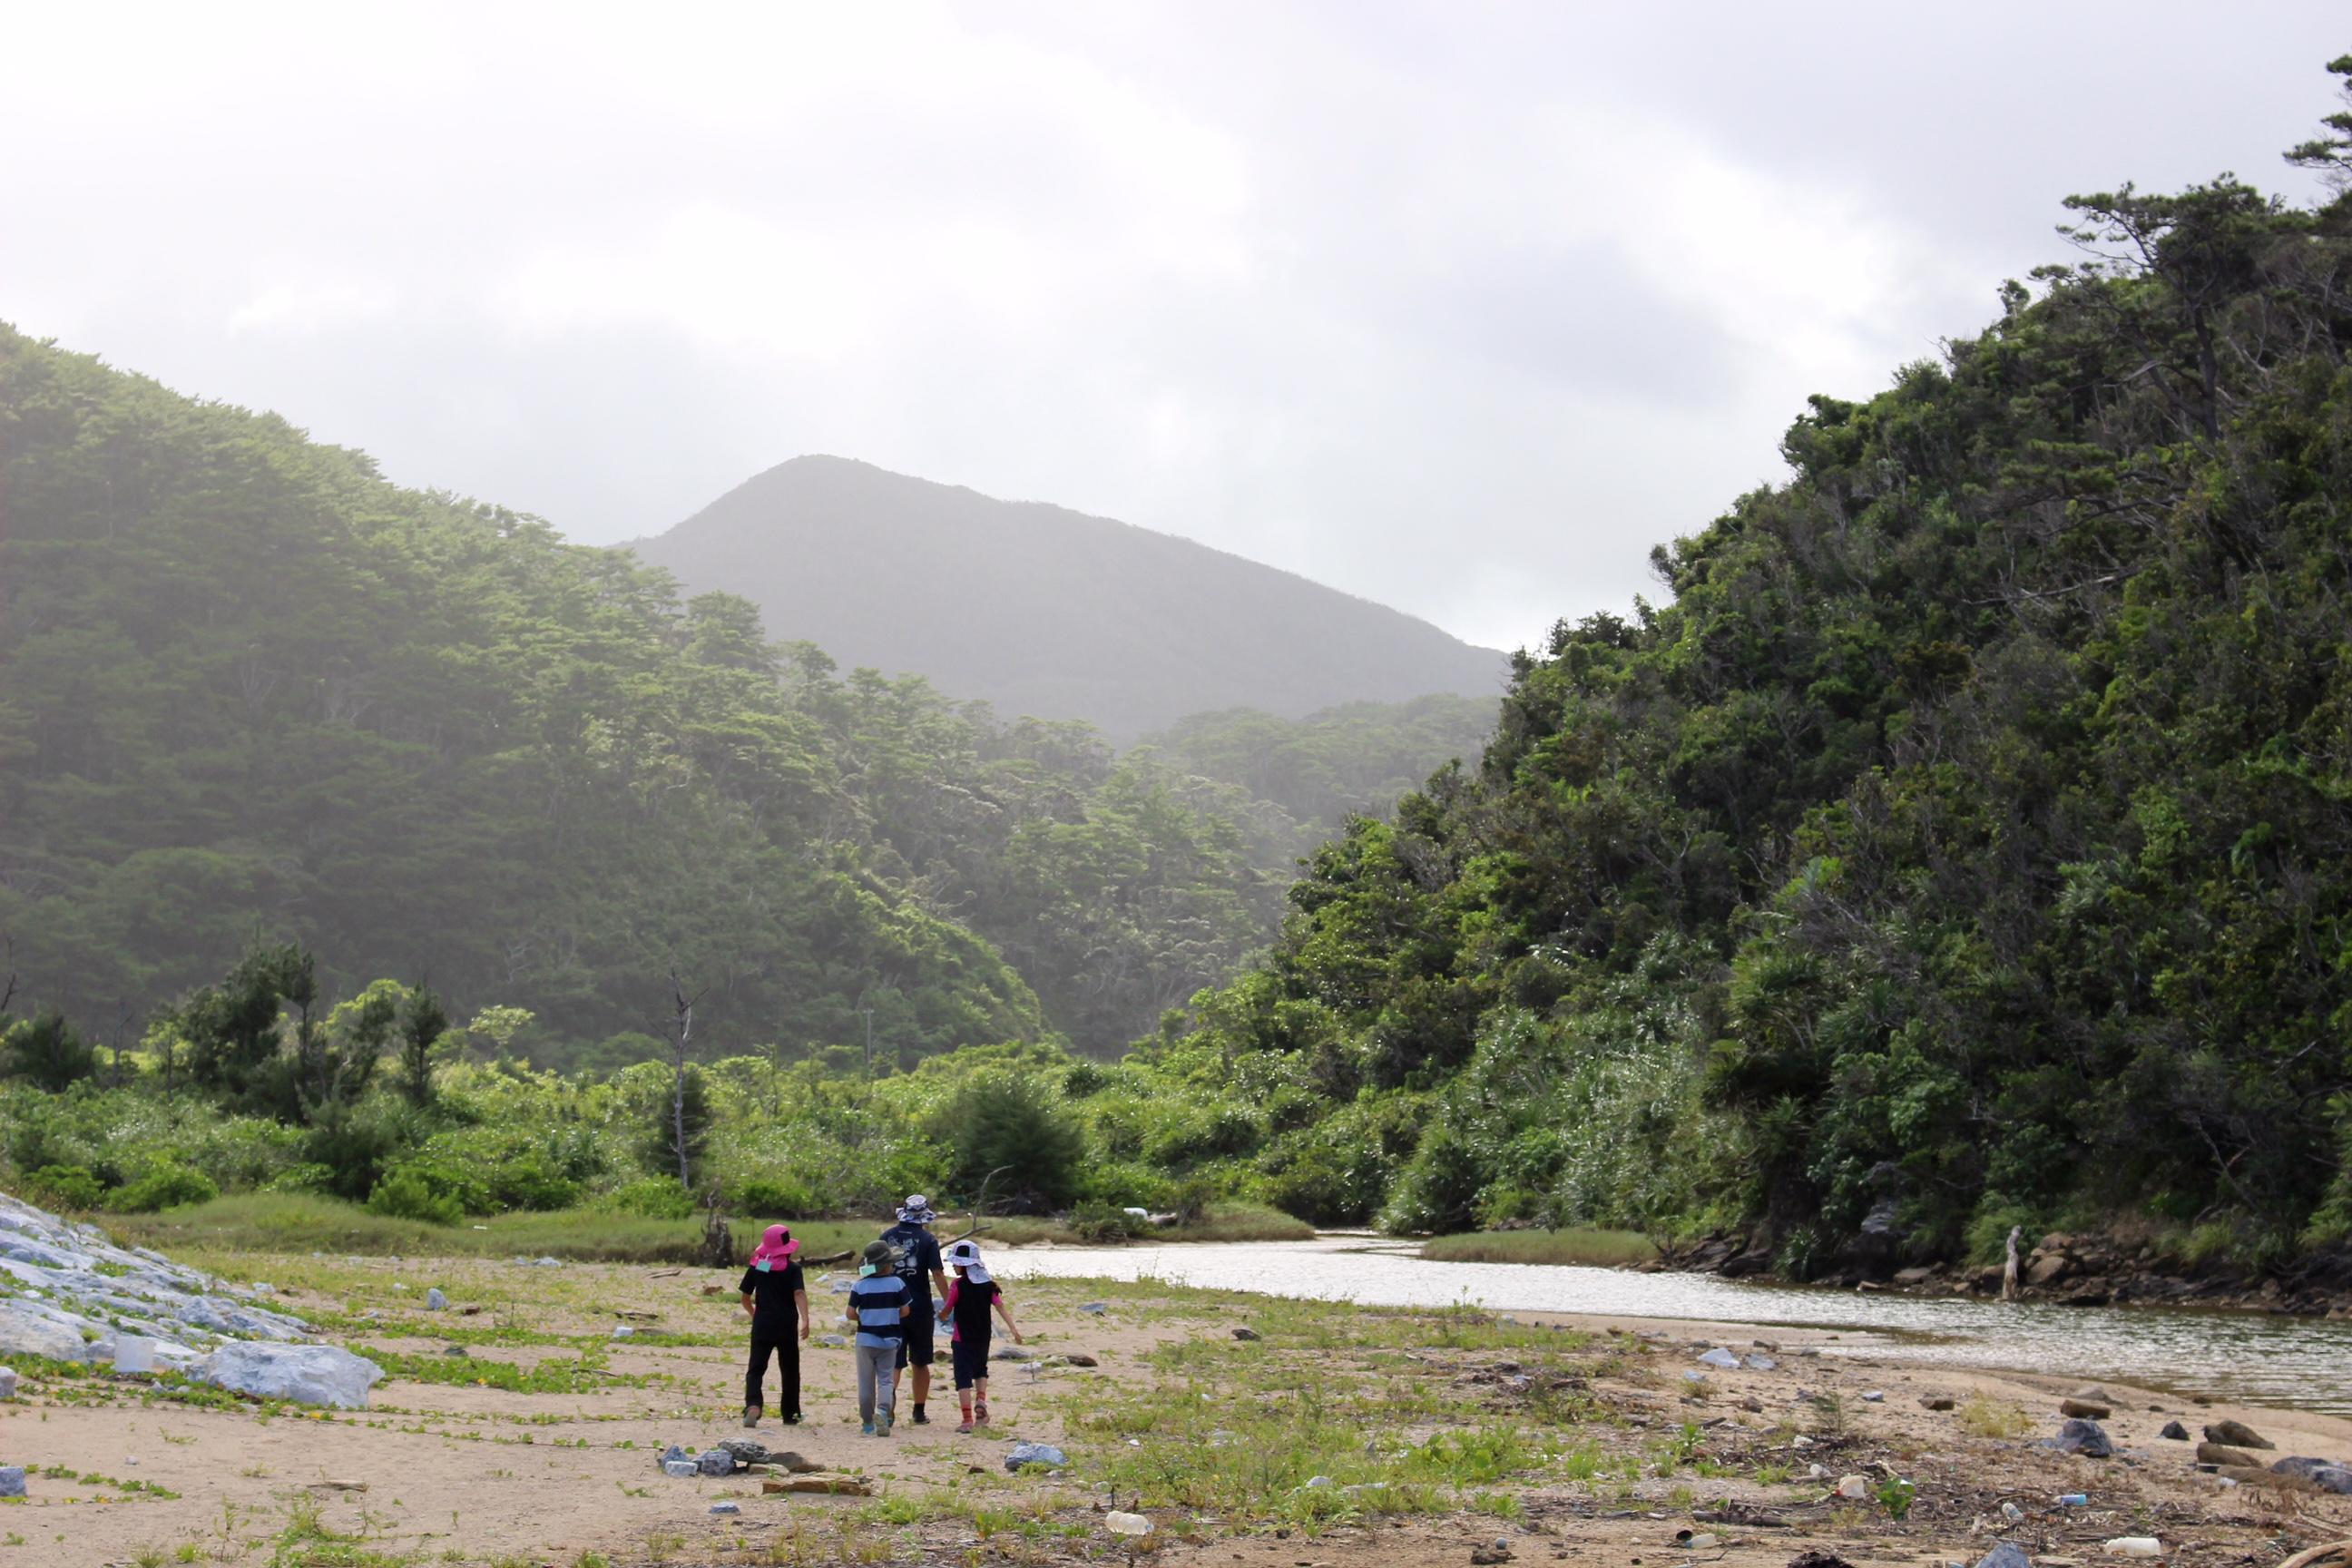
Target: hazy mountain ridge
[1044,611]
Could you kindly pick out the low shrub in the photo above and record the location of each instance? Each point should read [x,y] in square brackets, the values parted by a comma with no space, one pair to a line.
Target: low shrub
[406,1195]
[162,1186]
[63,1188]
[654,1198]
[1105,1223]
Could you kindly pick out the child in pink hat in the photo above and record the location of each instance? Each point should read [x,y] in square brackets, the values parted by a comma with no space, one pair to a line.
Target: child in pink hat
[776,1300]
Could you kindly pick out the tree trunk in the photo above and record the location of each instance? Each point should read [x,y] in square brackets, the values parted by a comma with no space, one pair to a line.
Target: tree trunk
[681,1030]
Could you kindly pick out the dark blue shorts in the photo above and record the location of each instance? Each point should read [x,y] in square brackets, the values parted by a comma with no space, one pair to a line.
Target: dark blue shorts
[971,1358]
[916,1346]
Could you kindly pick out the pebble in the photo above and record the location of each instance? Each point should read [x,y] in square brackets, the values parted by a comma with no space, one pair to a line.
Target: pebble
[458,1350]
[726,1508]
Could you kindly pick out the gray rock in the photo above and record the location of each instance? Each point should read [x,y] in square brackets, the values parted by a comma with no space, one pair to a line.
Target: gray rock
[746,1451]
[8,1383]
[674,1454]
[458,1350]
[435,1301]
[715,1462]
[1044,1454]
[2326,1474]
[1719,1358]
[680,1469]
[1013,1352]
[1317,1483]
[726,1508]
[35,1328]
[1093,1309]
[1244,1333]
[2236,1434]
[2087,1438]
[830,1342]
[2175,1431]
[12,1481]
[2005,1555]
[307,1374]
[1875,1396]
[1756,1362]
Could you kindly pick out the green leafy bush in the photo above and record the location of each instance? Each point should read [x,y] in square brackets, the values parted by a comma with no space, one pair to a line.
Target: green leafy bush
[162,1186]
[654,1198]
[1010,1134]
[63,1188]
[1104,1223]
[406,1195]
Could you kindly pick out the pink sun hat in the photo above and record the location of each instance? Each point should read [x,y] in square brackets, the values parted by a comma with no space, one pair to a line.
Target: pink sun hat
[776,1247]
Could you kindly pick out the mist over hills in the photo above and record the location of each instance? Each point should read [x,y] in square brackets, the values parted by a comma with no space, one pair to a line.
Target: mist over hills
[1043,611]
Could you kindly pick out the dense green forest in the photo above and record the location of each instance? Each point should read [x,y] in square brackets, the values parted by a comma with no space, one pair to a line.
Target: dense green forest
[254,692]
[1969,842]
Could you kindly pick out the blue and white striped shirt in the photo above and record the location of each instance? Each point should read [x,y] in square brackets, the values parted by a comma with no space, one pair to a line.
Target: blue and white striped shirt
[879,1300]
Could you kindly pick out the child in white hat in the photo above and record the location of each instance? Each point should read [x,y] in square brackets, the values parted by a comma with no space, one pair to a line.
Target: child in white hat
[971,1293]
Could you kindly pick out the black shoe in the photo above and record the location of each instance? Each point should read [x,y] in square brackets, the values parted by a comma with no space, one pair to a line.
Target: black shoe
[794,1419]
[921,1419]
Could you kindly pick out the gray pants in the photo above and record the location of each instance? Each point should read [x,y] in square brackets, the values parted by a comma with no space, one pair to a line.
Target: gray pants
[874,1373]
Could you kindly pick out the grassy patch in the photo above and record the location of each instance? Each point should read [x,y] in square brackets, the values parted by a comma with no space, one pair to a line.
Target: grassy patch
[300,1223]
[1983,1417]
[1602,1248]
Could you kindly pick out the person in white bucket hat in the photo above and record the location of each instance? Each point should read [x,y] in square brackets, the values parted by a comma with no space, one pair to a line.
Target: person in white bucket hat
[918,1254]
[970,1294]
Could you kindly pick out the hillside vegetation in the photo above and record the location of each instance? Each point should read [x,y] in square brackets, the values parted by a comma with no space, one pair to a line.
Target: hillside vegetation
[252,691]
[1968,843]
[1040,610]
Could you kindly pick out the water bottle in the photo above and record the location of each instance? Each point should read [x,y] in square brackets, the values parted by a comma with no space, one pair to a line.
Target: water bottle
[2074,1499]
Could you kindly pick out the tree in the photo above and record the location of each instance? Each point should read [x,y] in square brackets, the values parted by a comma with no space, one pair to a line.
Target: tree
[1014,1126]
[45,1051]
[2331,156]
[423,1025]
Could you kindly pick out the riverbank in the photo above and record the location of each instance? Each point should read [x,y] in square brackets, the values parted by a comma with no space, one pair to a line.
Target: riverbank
[1332,1434]
[2090,1269]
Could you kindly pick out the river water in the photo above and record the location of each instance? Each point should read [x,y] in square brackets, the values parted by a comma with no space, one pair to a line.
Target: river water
[2292,1363]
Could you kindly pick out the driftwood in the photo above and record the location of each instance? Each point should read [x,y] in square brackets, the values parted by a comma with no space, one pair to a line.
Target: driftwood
[2008,1269]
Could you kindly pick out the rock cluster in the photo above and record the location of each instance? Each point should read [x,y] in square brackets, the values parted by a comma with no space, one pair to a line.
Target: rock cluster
[76,1296]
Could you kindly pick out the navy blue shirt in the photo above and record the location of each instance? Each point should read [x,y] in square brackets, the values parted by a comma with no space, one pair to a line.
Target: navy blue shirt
[919,1255]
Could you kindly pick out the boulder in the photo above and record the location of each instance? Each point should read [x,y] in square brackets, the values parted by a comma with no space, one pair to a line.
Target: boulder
[2088,1409]
[307,1374]
[2237,1435]
[2326,1474]
[32,1328]
[2175,1431]
[2047,1267]
[2087,1438]
[1044,1454]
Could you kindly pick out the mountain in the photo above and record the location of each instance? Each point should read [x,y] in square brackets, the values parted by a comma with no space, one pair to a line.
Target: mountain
[1047,612]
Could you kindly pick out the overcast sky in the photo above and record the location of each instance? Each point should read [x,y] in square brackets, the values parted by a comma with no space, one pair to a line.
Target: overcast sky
[1457,307]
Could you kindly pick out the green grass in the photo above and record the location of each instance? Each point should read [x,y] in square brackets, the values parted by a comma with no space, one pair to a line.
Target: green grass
[1603,1248]
[298,1223]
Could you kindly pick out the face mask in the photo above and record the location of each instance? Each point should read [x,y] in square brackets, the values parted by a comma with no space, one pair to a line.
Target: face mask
[865,1268]
[763,1265]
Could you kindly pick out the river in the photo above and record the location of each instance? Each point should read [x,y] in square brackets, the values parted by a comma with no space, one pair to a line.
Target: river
[2291,1363]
